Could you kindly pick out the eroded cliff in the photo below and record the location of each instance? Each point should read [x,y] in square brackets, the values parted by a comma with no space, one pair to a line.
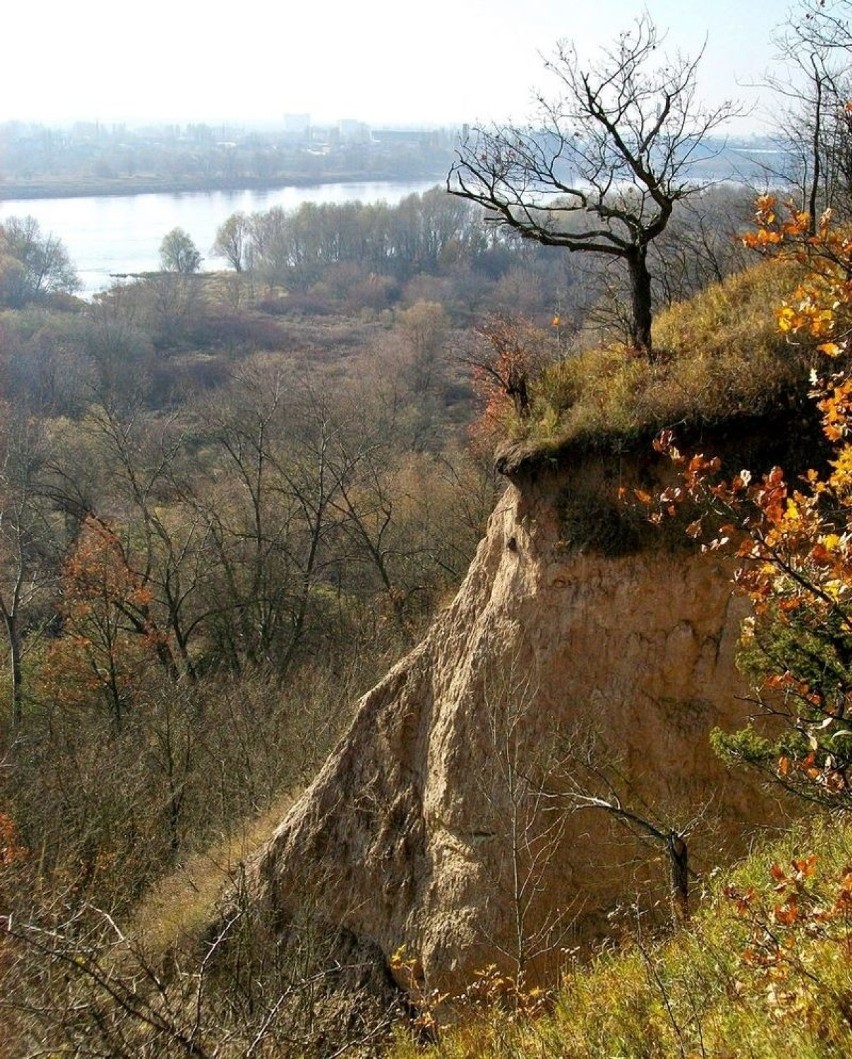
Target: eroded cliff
[447,819]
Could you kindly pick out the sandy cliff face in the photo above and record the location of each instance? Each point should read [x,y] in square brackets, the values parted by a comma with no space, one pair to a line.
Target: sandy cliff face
[442,822]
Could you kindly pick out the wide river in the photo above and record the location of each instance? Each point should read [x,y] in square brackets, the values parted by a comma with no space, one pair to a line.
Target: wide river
[118,234]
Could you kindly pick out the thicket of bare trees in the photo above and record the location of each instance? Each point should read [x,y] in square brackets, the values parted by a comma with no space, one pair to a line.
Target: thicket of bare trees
[812,86]
[206,554]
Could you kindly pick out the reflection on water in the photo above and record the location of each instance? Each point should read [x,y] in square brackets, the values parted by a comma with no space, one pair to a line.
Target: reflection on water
[123,233]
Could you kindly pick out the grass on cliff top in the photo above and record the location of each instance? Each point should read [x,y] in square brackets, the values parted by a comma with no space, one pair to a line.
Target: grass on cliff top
[719,356]
[763,970]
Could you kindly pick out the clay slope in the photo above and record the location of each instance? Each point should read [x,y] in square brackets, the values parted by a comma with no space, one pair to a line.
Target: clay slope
[443,820]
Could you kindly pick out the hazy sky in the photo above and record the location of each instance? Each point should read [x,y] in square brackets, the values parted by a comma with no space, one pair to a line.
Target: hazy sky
[377,60]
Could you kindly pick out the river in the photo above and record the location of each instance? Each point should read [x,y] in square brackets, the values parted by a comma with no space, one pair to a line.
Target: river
[122,234]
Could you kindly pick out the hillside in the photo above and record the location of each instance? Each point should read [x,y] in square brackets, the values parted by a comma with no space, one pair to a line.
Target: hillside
[762,971]
[583,663]
[573,659]
[538,763]
[720,360]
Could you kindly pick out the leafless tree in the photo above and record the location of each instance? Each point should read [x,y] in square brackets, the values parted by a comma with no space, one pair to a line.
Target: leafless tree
[813,121]
[528,824]
[595,782]
[29,544]
[601,170]
[232,240]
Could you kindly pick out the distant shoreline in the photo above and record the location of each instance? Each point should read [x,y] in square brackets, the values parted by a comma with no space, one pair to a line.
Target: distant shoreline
[120,187]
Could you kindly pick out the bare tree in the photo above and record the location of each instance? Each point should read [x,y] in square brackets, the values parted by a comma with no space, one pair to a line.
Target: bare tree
[609,157]
[528,832]
[32,265]
[593,778]
[813,121]
[232,240]
[537,778]
[29,549]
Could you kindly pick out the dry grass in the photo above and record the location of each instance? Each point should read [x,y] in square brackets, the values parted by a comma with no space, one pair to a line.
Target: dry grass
[719,356]
[763,971]
[176,910]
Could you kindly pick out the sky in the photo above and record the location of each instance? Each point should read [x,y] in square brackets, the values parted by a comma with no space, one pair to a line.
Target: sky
[378,61]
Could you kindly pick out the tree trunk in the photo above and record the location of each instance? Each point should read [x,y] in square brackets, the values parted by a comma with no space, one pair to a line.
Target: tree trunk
[13,634]
[641,309]
[679,860]
[816,151]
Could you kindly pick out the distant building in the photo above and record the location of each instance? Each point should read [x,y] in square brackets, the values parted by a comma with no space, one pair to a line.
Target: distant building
[351,131]
[297,127]
[415,137]
[397,137]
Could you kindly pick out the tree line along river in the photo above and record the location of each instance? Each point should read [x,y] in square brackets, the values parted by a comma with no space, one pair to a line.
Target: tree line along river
[105,235]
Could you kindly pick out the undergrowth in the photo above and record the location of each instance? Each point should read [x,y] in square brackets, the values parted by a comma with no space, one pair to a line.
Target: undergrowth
[762,971]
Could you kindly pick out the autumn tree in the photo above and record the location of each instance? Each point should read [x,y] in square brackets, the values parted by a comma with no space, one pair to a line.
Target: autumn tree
[793,537]
[164,543]
[108,638]
[508,353]
[602,168]
[422,357]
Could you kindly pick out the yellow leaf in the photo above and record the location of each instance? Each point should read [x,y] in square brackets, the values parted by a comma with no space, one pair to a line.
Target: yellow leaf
[786,319]
[831,348]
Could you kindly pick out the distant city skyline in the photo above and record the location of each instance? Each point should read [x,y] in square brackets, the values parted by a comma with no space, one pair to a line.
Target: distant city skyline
[451,62]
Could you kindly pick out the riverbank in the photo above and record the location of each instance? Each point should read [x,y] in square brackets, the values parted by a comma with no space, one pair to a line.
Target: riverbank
[105,234]
[119,187]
